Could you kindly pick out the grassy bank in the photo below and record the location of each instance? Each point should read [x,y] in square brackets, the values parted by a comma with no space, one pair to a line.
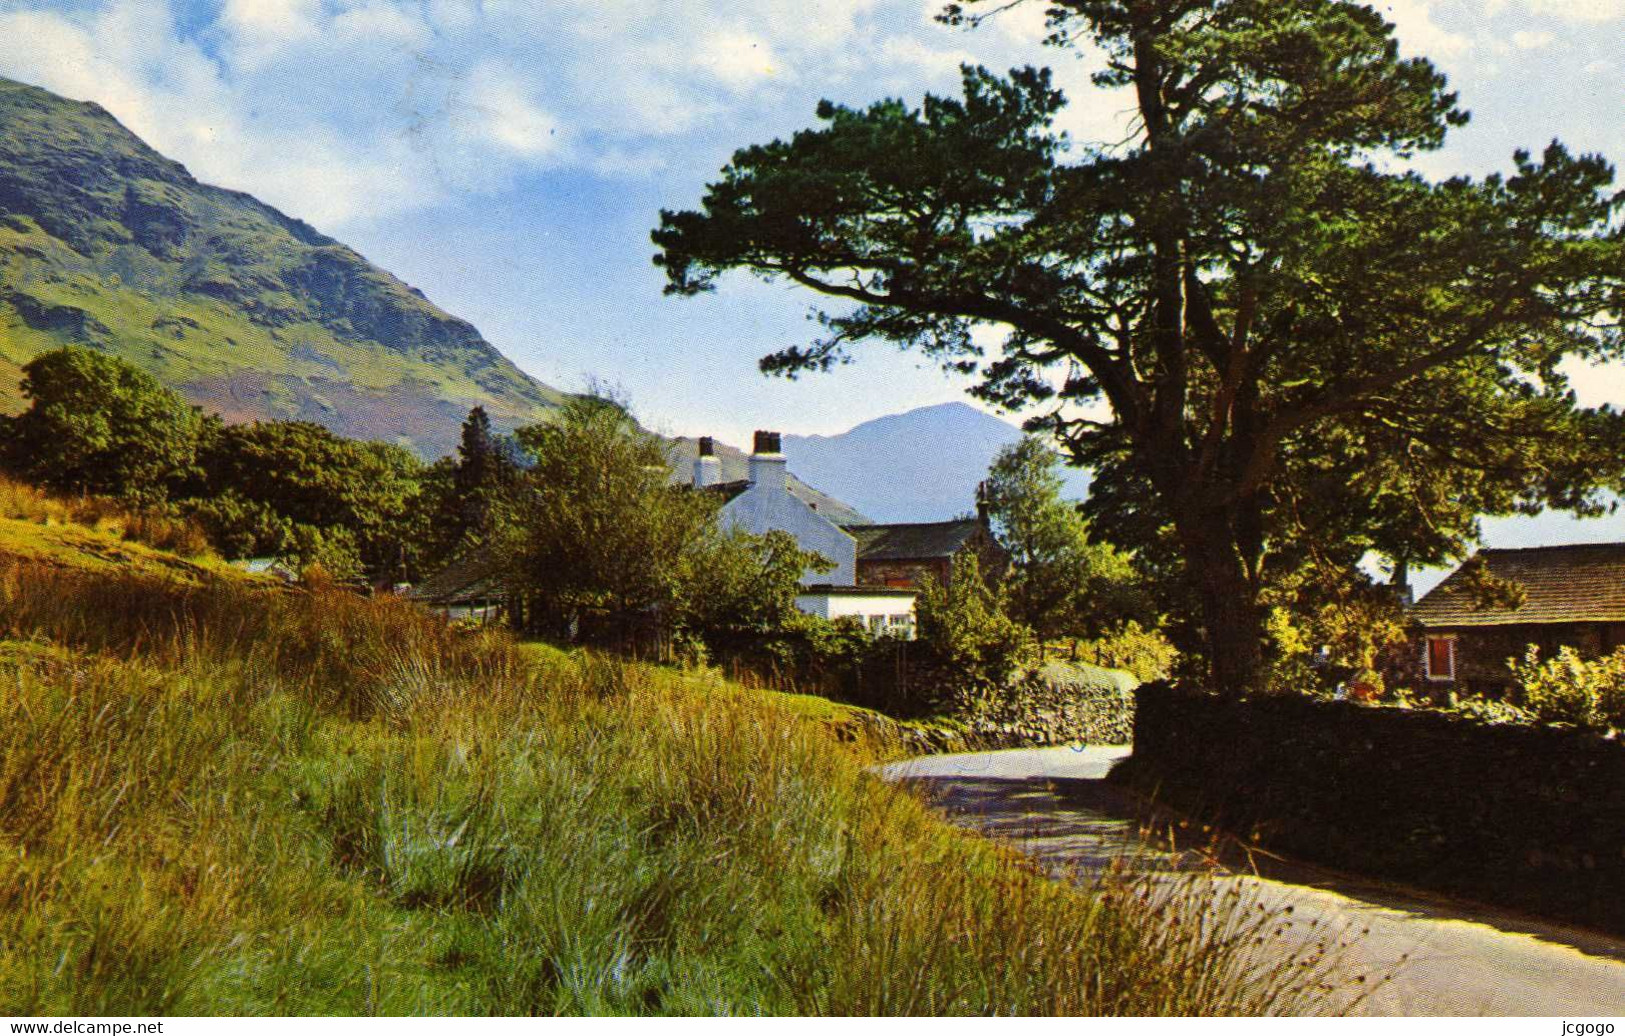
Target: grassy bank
[220,799]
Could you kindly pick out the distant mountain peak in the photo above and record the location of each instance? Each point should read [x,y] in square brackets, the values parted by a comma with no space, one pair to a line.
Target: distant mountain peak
[920,465]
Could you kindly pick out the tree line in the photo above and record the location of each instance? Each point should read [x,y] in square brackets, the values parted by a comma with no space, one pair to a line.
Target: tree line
[580,518]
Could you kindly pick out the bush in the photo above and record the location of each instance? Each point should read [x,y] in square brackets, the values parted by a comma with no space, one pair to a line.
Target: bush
[970,648]
[1570,689]
[1144,652]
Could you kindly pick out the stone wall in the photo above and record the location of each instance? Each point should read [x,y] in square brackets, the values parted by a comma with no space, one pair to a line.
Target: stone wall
[910,574]
[1529,817]
[1051,704]
[1060,703]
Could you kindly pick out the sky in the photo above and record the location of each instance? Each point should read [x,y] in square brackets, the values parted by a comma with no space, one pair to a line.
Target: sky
[509,157]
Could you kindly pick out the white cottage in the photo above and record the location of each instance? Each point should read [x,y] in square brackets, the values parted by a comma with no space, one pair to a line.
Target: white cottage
[764,503]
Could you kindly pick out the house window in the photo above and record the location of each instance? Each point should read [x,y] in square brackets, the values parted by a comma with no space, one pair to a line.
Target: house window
[877,624]
[1439,656]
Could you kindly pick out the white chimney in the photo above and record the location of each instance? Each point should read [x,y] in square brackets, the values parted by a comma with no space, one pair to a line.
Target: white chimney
[767,463]
[707,468]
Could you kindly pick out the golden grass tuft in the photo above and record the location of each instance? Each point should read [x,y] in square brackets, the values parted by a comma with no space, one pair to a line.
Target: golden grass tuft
[149,526]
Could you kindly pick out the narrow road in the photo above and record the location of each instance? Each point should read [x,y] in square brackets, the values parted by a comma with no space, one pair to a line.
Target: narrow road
[1452,957]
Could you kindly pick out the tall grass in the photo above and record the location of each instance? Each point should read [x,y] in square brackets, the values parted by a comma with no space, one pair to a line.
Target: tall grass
[155,528]
[217,800]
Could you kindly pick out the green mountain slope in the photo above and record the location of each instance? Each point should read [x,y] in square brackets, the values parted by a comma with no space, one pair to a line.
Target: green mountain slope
[105,242]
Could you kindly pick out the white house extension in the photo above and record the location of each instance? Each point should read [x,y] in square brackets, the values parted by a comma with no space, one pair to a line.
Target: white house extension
[883,610]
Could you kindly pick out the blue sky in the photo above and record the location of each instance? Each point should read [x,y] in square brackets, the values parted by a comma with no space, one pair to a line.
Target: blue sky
[510,158]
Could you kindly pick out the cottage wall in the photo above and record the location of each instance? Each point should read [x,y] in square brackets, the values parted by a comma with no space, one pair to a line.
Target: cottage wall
[909,574]
[768,505]
[1482,651]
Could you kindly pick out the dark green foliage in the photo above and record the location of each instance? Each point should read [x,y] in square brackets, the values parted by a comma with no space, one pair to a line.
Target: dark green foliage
[593,530]
[1306,356]
[291,487]
[462,496]
[737,596]
[481,464]
[1061,581]
[969,647]
[95,424]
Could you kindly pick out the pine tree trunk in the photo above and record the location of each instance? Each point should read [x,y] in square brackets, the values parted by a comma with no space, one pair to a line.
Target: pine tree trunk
[1233,627]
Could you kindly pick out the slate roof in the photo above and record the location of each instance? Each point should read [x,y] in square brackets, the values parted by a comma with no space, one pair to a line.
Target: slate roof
[912,541]
[476,576]
[736,464]
[1581,582]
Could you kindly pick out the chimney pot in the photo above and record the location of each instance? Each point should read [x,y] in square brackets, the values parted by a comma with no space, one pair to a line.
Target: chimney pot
[767,473]
[707,468]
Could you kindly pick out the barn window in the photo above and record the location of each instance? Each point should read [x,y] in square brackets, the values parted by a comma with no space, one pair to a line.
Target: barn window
[1440,657]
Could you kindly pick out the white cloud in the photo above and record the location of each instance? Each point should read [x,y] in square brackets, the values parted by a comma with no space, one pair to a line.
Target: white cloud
[504,111]
[171,94]
[259,30]
[1597,383]
[1580,10]
[1419,32]
[1526,39]
[381,24]
[738,59]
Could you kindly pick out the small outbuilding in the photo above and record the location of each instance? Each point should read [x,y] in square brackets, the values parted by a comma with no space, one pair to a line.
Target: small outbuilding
[470,588]
[884,611]
[1571,596]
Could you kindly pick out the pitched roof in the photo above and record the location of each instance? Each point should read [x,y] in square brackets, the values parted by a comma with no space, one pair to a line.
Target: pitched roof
[824,504]
[912,541]
[832,590]
[1581,582]
[735,468]
[476,576]
[728,490]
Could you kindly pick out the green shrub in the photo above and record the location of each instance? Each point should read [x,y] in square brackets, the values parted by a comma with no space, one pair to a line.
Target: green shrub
[1589,693]
[1144,652]
[970,647]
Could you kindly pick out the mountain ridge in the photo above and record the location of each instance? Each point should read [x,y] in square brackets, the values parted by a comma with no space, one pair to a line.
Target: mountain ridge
[242,308]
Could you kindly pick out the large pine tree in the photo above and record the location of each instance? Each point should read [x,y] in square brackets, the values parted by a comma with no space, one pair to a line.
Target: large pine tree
[1305,349]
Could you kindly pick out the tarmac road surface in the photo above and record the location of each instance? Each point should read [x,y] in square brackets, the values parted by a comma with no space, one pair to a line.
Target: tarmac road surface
[1448,957]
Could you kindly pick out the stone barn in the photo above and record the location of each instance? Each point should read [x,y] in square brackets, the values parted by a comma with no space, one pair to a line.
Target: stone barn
[1572,596]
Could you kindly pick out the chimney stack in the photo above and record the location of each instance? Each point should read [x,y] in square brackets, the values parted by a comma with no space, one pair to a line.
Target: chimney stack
[767,463]
[707,468]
